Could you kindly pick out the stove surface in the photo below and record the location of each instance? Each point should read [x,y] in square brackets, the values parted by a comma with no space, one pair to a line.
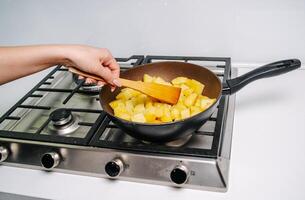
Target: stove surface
[62,120]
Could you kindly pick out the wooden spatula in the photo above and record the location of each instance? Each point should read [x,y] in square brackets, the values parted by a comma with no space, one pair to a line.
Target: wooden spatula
[164,93]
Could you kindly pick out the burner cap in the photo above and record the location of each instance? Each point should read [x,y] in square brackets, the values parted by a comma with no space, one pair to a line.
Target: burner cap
[61,116]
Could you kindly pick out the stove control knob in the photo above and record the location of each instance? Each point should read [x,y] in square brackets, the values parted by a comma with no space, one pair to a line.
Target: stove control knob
[3,153]
[179,174]
[114,168]
[50,160]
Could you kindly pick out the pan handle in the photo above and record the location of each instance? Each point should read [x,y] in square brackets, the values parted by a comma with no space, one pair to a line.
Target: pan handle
[273,69]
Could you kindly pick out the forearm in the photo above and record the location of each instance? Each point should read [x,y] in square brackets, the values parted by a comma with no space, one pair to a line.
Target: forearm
[16,62]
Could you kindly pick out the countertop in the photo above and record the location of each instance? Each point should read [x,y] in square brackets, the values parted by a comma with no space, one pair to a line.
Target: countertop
[267,157]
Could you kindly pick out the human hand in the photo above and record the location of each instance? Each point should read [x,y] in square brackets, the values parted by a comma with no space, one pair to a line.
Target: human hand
[98,61]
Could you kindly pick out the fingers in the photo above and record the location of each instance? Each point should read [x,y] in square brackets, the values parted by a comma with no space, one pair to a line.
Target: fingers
[101,83]
[109,62]
[107,75]
[96,61]
[102,64]
[113,66]
[90,81]
[112,88]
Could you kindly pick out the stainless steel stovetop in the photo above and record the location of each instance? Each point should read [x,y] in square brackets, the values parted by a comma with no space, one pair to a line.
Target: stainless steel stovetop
[59,126]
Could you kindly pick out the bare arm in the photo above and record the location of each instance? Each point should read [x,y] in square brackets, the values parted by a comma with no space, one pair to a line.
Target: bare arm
[17,62]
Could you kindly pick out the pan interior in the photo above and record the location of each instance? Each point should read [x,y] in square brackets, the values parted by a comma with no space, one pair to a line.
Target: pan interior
[167,71]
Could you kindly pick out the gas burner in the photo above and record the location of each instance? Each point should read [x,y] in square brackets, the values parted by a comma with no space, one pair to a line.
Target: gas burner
[88,87]
[176,143]
[63,122]
[179,142]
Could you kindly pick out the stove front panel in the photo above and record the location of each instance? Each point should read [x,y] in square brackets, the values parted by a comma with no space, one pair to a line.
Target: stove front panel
[201,174]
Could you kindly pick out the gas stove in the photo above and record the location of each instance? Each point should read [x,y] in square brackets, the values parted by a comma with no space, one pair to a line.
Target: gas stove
[60,126]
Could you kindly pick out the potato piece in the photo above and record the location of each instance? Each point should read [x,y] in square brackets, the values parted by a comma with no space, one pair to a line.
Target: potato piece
[159,112]
[167,83]
[175,113]
[123,116]
[188,92]
[151,109]
[139,108]
[150,117]
[206,103]
[121,96]
[179,80]
[129,106]
[184,90]
[196,85]
[185,113]
[148,104]
[195,110]
[147,78]
[116,103]
[184,87]
[148,101]
[158,104]
[140,99]
[190,100]
[127,94]
[121,112]
[120,109]
[149,114]
[138,117]
[166,117]
[158,80]
[180,106]
[204,97]
[166,106]
[197,102]
[181,99]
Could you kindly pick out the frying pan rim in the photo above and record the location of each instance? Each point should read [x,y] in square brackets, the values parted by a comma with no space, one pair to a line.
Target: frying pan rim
[173,122]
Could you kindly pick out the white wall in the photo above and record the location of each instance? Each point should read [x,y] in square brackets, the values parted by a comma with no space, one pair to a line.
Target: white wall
[247,31]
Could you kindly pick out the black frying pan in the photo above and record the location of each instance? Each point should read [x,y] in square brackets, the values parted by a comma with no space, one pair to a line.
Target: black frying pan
[166,132]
